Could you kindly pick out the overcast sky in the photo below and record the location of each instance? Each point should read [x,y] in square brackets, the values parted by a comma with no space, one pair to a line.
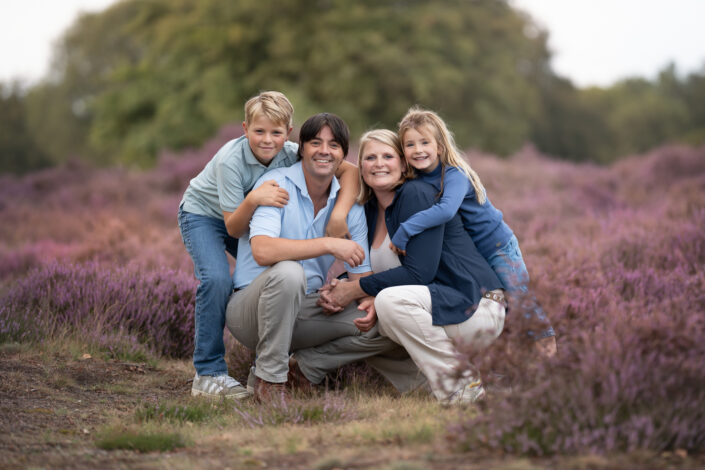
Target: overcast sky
[595,42]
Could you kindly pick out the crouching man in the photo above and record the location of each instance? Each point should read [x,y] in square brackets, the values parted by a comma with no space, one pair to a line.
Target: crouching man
[274,307]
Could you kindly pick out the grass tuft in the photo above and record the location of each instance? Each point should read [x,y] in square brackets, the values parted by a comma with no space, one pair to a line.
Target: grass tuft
[331,408]
[140,441]
[196,412]
[328,463]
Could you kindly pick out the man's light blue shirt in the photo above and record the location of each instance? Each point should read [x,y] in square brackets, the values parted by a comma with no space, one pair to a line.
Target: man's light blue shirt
[229,176]
[296,221]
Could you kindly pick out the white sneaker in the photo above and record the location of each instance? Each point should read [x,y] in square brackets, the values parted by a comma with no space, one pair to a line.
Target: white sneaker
[471,393]
[216,386]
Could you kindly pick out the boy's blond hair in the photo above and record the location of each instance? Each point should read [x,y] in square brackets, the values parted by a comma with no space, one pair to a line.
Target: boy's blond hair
[419,119]
[271,104]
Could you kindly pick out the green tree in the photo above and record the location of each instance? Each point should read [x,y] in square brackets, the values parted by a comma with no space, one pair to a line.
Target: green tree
[19,152]
[571,123]
[642,117]
[146,75]
[692,93]
[152,74]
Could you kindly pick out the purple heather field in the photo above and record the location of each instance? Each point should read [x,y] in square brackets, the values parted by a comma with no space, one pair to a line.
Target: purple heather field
[616,255]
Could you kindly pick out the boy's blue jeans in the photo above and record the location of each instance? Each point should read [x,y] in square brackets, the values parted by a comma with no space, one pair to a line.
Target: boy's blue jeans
[207,241]
[508,263]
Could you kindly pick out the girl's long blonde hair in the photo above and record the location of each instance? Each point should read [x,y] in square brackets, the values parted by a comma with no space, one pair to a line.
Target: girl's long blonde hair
[419,119]
[386,137]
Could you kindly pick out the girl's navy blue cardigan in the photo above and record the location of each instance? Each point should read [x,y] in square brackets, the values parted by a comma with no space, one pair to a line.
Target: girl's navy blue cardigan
[444,258]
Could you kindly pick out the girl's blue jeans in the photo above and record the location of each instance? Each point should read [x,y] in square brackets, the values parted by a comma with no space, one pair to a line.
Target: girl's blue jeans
[508,263]
[207,242]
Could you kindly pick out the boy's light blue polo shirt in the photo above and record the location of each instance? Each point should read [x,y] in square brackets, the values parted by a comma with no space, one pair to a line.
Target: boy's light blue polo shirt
[225,181]
[296,221]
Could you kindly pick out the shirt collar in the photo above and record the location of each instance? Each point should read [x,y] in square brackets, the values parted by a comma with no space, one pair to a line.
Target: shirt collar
[435,172]
[296,175]
[250,158]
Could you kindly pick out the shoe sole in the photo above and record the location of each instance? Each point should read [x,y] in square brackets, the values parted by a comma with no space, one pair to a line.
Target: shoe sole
[216,396]
[480,396]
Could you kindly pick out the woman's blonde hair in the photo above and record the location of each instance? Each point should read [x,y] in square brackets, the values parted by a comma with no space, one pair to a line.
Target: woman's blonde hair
[419,119]
[386,137]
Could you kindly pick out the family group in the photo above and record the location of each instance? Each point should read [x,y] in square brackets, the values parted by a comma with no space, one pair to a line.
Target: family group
[428,258]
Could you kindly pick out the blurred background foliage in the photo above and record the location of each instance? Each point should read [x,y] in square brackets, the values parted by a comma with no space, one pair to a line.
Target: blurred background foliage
[147,75]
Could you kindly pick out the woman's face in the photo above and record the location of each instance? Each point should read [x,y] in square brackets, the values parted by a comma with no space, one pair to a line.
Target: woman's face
[381,166]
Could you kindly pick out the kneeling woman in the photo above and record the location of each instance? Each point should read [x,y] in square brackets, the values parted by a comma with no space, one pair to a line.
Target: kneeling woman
[440,294]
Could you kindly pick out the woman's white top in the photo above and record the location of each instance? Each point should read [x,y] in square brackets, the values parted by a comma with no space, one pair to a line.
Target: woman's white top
[383,258]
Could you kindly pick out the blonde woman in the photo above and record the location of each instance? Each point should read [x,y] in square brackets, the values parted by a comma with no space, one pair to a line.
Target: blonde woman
[442,292]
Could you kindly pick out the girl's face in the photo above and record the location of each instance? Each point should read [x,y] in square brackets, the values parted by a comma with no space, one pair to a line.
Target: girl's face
[381,166]
[420,149]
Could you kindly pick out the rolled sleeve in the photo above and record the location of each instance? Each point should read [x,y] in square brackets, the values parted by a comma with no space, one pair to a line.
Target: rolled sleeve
[266,220]
[357,225]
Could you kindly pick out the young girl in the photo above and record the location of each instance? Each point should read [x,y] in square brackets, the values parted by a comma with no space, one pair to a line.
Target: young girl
[430,149]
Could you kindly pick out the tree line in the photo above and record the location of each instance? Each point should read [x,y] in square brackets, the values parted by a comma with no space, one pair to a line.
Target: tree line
[146,75]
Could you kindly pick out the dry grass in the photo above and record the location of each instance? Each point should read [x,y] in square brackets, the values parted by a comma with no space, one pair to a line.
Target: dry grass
[61,409]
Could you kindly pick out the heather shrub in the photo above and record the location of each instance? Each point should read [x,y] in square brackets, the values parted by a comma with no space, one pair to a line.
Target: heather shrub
[156,307]
[632,384]
[623,285]
[17,262]
[174,170]
[77,214]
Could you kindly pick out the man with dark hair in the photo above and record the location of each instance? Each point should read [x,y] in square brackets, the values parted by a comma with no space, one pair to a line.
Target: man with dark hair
[274,307]
[315,123]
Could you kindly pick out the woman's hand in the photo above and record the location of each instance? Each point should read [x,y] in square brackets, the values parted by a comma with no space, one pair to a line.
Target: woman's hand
[338,294]
[366,323]
[324,300]
[343,292]
[269,194]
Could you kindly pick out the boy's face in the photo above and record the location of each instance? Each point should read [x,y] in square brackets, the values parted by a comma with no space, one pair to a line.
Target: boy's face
[266,138]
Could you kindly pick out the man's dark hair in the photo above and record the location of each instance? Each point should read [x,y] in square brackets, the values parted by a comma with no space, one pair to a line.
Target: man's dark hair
[314,124]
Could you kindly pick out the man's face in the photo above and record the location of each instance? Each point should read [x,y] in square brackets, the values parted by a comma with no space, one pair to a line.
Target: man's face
[322,155]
